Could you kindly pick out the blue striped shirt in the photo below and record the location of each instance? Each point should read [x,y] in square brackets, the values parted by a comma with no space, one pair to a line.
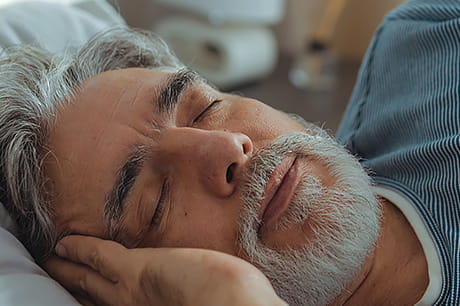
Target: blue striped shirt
[404,120]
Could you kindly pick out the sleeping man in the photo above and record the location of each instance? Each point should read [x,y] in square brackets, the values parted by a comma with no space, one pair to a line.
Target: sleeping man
[120,141]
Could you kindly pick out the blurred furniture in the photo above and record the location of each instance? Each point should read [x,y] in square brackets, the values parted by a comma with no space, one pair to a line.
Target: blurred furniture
[228,42]
[314,67]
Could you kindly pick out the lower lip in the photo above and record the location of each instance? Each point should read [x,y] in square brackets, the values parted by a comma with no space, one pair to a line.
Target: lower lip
[282,197]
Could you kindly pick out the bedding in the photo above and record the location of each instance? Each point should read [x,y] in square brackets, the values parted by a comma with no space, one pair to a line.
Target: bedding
[22,281]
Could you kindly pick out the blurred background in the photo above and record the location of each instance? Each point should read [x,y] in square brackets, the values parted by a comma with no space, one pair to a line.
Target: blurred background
[300,56]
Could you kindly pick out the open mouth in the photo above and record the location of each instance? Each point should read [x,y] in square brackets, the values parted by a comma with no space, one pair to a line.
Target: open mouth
[279,191]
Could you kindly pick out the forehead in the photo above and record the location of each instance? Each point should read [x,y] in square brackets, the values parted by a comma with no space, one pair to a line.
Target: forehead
[90,137]
[108,86]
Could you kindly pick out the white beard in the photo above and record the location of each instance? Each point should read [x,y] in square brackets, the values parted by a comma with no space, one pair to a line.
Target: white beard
[344,220]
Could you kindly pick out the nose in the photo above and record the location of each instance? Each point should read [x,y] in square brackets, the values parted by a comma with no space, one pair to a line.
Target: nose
[215,159]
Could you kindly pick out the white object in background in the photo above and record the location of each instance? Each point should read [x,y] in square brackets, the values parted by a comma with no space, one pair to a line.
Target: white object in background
[5,2]
[55,25]
[226,55]
[221,11]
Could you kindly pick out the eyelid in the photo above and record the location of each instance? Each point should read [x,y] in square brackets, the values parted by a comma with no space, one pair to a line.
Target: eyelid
[160,204]
[208,107]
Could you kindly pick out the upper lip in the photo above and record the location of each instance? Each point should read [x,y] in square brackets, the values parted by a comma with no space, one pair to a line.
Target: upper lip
[274,183]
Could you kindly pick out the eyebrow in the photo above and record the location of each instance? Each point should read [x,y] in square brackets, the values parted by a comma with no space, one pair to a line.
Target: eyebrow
[175,86]
[114,208]
[116,198]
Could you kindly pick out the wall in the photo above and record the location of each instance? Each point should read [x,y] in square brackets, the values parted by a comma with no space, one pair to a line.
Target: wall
[355,27]
[359,20]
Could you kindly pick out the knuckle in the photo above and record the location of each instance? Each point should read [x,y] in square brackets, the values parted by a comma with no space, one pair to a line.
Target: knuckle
[83,282]
[96,259]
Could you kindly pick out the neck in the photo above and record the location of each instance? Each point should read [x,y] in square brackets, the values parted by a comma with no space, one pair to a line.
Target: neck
[396,273]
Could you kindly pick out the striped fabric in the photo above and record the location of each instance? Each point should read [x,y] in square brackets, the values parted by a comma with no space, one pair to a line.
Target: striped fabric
[404,120]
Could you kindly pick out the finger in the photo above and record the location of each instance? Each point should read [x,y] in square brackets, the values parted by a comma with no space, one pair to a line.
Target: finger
[81,280]
[103,256]
[84,300]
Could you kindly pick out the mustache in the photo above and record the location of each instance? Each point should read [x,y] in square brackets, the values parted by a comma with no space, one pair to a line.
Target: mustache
[264,162]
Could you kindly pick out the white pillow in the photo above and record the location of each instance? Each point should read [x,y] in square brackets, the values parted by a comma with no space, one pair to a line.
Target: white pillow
[22,281]
[55,26]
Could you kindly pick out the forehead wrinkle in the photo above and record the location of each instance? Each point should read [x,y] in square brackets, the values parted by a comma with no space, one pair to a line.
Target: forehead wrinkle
[154,94]
[136,93]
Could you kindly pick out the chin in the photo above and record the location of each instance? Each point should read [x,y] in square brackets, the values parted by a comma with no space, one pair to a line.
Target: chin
[323,235]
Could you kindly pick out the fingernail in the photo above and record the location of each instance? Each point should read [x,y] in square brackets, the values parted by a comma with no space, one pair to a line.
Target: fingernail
[60,250]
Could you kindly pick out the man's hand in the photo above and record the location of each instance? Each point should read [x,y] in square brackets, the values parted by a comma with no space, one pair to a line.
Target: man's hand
[107,273]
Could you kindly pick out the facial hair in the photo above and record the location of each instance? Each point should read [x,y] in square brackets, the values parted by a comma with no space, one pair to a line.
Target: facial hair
[343,220]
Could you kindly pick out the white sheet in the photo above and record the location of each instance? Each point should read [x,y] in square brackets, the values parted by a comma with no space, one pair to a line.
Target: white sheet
[22,281]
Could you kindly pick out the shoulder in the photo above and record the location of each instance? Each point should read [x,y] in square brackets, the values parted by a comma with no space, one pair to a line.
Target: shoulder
[426,10]
[407,89]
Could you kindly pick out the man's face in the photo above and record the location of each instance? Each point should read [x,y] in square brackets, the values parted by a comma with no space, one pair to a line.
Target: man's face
[156,159]
[197,153]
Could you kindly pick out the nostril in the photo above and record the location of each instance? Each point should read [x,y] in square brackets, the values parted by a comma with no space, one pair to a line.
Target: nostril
[247,147]
[229,174]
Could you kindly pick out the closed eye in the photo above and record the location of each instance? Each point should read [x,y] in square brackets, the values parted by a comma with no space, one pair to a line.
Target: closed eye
[205,111]
[160,204]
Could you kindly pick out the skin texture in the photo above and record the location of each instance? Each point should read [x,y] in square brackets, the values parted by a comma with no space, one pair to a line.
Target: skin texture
[397,272]
[89,144]
[162,276]
[116,111]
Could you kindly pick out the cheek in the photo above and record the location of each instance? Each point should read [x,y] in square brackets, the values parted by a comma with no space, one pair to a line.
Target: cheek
[260,122]
[196,221]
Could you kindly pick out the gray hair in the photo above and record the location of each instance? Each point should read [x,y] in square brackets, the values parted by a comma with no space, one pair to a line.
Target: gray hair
[33,84]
